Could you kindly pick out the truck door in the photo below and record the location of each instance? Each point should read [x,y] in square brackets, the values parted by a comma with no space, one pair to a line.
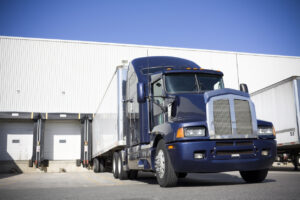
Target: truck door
[132,110]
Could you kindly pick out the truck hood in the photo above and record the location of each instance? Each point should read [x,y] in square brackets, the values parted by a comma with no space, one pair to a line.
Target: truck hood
[189,107]
[192,107]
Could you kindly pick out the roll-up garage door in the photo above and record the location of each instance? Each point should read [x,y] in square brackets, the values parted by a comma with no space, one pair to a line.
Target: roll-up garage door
[62,140]
[16,139]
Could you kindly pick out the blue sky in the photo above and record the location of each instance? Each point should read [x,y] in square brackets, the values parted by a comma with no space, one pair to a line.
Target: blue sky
[256,26]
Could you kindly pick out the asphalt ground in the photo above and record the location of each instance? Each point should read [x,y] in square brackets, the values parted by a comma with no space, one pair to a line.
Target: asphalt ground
[281,183]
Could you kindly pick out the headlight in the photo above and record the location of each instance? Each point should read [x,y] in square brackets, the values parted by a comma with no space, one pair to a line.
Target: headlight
[265,131]
[194,132]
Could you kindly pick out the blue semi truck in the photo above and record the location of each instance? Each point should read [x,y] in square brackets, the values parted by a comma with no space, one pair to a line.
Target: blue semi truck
[170,116]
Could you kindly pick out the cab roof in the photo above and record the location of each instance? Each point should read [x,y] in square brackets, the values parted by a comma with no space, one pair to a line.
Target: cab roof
[167,64]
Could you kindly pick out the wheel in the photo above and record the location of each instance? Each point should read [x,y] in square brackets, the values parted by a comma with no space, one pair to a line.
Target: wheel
[165,174]
[132,174]
[101,165]
[78,163]
[296,161]
[123,175]
[181,175]
[254,176]
[30,163]
[115,165]
[96,165]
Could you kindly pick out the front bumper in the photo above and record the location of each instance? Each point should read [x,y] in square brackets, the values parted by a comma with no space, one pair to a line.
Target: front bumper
[222,155]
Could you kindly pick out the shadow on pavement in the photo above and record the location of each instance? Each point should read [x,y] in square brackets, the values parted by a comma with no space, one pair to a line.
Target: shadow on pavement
[6,175]
[201,179]
[284,168]
[9,168]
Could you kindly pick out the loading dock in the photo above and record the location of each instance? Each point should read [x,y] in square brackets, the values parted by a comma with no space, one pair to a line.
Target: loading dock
[62,140]
[37,138]
[64,137]
[16,139]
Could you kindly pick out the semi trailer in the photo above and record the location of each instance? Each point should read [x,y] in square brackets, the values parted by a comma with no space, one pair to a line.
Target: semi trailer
[279,103]
[170,116]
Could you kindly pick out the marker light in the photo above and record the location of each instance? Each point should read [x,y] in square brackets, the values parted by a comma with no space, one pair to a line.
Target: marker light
[180,133]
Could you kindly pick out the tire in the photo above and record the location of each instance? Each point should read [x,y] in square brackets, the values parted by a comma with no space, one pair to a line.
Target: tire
[115,165]
[101,166]
[123,175]
[30,163]
[296,161]
[96,165]
[133,174]
[165,174]
[254,176]
[181,175]
[78,163]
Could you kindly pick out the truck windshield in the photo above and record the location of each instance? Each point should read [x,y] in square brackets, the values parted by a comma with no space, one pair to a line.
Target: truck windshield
[192,83]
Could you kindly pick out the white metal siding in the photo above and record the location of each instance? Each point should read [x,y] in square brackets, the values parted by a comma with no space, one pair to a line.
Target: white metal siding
[16,139]
[261,71]
[62,140]
[34,73]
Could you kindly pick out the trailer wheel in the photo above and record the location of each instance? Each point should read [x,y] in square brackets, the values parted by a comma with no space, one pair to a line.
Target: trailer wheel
[296,161]
[78,162]
[96,165]
[165,174]
[30,163]
[115,165]
[181,175]
[101,165]
[123,175]
[254,176]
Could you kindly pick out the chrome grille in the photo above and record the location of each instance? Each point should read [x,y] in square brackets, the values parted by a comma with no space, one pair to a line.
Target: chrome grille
[243,117]
[222,117]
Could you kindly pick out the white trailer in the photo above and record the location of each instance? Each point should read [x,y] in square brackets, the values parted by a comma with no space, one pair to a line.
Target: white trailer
[108,120]
[279,103]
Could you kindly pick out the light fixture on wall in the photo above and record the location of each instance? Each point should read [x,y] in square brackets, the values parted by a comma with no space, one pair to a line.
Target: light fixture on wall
[18,91]
[63,92]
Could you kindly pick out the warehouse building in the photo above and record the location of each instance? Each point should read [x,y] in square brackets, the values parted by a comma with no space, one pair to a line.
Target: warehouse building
[51,88]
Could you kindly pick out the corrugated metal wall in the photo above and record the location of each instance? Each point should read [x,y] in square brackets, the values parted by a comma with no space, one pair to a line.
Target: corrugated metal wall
[38,75]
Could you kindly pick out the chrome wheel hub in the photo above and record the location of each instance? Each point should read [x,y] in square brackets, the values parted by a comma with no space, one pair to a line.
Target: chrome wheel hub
[160,164]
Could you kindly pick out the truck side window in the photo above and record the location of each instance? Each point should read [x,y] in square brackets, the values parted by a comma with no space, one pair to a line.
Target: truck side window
[157,103]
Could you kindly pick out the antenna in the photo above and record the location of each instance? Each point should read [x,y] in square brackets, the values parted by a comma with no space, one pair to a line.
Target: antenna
[237,69]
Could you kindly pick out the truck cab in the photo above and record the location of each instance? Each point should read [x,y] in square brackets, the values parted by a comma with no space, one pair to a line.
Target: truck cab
[179,118]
